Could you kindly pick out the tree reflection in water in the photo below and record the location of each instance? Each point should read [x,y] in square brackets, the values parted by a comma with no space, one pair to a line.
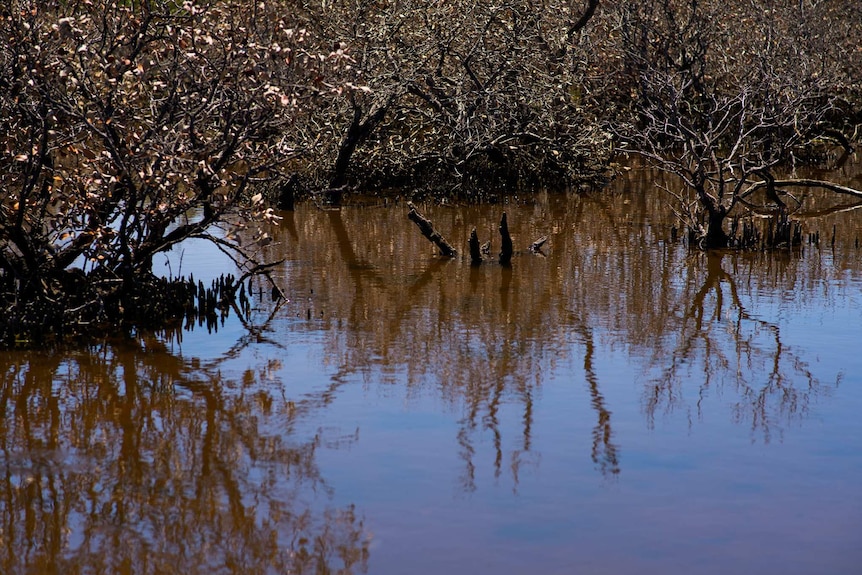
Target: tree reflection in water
[488,337]
[713,343]
[121,460]
[604,451]
[116,459]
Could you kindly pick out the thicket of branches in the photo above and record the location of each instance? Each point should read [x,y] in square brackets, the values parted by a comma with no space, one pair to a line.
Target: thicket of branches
[724,94]
[133,125]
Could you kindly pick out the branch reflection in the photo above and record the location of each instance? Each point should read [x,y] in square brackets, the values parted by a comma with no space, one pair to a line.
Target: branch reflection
[604,451]
[119,460]
[717,345]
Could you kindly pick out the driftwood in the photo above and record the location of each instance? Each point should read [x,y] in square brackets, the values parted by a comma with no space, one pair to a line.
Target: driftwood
[427,229]
[475,250]
[506,250]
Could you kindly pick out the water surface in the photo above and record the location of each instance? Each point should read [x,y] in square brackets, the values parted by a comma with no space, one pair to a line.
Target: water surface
[614,404]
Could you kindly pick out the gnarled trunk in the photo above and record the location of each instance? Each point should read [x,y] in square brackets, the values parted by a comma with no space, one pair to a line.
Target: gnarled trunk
[715,237]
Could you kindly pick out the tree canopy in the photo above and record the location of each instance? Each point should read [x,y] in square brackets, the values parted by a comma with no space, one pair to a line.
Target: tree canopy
[133,125]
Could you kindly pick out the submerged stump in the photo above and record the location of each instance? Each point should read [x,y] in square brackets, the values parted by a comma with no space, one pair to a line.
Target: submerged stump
[507,250]
[475,249]
[536,246]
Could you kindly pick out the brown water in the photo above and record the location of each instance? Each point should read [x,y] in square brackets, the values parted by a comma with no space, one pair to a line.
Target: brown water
[616,404]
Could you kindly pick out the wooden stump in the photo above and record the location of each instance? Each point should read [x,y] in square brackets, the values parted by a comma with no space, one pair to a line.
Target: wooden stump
[475,249]
[506,250]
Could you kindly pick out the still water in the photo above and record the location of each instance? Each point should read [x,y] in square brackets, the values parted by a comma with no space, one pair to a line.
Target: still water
[615,404]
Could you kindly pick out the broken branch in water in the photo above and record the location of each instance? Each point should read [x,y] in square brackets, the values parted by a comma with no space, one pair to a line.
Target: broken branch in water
[427,229]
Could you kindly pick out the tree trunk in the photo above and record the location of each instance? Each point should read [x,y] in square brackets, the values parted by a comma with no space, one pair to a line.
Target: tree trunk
[357,132]
[716,237]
